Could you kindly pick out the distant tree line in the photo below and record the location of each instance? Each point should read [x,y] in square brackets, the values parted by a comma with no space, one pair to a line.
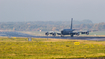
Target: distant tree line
[50,25]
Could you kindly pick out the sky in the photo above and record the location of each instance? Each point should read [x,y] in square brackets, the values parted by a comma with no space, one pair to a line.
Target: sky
[52,10]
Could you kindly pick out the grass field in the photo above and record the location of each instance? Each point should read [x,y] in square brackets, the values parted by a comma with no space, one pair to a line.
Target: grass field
[38,48]
[98,33]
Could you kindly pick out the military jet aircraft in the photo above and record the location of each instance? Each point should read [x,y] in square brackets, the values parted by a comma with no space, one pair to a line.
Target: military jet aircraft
[67,32]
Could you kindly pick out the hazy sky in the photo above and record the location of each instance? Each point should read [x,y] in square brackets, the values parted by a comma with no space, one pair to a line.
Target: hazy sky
[52,10]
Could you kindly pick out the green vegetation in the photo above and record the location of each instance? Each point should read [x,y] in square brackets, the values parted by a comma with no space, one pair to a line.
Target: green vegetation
[97,33]
[35,33]
[38,48]
[50,26]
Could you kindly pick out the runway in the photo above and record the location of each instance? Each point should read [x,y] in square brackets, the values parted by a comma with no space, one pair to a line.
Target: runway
[78,38]
[18,34]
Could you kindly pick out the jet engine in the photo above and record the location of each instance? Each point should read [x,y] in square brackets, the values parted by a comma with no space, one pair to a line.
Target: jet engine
[87,33]
[54,34]
[47,33]
[78,34]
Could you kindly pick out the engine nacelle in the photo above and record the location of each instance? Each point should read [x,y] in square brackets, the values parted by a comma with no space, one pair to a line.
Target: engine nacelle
[83,32]
[58,33]
[87,33]
[47,33]
[78,33]
[54,34]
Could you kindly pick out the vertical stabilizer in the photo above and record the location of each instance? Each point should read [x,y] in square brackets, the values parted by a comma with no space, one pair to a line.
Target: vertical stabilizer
[71,22]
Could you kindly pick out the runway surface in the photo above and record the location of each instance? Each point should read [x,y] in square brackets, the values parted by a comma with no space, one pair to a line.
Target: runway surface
[18,34]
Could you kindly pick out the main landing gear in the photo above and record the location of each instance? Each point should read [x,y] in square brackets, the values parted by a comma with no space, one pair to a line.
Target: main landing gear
[72,35]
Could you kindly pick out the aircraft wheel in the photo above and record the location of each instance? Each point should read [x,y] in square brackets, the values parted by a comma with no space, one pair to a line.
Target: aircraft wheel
[62,36]
[71,35]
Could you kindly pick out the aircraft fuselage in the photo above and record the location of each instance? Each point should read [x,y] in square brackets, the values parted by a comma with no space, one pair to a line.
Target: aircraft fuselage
[66,31]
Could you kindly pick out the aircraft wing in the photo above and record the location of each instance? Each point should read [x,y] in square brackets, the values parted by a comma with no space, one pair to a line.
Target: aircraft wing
[53,33]
[84,32]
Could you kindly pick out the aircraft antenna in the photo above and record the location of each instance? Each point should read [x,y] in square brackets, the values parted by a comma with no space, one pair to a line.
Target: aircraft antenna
[71,22]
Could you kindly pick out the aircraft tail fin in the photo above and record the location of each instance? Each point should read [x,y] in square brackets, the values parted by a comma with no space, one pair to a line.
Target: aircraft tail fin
[71,22]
